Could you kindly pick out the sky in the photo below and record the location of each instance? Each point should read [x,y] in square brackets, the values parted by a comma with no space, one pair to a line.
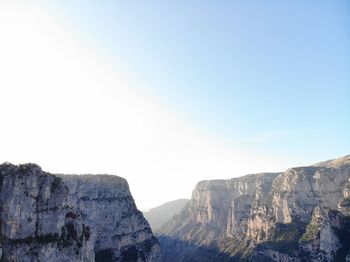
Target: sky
[166,94]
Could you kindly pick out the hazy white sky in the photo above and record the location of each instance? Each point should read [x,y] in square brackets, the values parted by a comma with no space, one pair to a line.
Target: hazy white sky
[67,107]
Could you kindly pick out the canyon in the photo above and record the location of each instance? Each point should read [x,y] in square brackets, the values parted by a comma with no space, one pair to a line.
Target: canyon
[302,214]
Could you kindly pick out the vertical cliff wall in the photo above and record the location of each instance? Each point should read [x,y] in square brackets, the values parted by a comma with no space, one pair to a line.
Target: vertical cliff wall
[298,215]
[46,217]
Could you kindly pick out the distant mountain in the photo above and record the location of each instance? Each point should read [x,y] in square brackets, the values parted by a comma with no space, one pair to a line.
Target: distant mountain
[157,216]
[302,214]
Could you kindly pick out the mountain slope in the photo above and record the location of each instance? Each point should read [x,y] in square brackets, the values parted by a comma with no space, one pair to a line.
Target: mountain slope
[298,215]
[157,216]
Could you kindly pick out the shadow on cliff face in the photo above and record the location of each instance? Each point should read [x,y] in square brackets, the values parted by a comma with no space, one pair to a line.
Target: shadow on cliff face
[286,243]
[174,250]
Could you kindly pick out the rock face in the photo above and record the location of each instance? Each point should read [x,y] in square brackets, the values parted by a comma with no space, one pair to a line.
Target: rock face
[299,215]
[46,217]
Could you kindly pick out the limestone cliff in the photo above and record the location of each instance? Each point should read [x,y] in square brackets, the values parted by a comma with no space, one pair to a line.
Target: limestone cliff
[45,217]
[299,215]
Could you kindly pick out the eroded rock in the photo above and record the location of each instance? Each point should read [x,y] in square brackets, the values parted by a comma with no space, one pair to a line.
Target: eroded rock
[267,216]
[47,217]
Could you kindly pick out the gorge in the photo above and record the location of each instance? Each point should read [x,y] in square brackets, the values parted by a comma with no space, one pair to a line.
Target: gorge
[302,214]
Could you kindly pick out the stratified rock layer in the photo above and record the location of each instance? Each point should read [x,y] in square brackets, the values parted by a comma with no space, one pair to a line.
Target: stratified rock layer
[48,217]
[299,215]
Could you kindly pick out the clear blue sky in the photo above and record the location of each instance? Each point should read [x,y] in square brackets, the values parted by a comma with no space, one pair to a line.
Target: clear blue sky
[238,69]
[174,92]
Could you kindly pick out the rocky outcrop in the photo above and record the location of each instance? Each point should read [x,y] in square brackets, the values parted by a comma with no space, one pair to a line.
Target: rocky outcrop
[324,238]
[344,204]
[45,217]
[320,241]
[299,215]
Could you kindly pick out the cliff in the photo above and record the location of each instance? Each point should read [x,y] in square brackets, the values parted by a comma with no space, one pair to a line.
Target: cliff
[298,215]
[45,217]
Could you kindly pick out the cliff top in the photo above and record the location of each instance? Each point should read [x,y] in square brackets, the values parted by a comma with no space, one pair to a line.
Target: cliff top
[219,182]
[338,162]
[31,168]
[8,168]
[341,161]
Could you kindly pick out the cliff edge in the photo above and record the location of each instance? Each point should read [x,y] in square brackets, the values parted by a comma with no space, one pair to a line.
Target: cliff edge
[45,217]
